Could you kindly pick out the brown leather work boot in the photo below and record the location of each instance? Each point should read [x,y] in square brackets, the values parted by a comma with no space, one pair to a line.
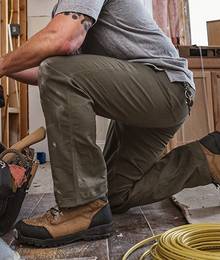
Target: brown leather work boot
[211,147]
[59,227]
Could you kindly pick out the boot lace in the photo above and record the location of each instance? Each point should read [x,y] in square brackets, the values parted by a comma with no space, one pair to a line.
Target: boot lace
[53,213]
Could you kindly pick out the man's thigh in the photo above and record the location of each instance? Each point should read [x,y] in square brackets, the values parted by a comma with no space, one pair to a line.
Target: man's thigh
[130,93]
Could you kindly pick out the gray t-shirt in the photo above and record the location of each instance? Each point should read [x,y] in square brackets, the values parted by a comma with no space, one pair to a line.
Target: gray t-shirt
[125,30]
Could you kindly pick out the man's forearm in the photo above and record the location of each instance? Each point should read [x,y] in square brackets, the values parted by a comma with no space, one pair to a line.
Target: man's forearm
[29,76]
[27,56]
[53,40]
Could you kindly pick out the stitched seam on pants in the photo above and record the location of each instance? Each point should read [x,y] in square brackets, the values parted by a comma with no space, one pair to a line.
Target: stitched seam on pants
[73,155]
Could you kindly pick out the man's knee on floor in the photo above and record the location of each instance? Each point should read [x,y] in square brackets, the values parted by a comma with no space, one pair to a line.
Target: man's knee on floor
[118,202]
[119,188]
[118,199]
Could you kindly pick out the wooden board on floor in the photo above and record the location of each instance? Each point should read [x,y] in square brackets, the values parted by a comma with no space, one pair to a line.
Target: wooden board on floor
[199,205]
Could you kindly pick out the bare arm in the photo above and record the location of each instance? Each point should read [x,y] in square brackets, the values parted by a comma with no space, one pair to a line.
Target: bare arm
[29,76]
[62,36]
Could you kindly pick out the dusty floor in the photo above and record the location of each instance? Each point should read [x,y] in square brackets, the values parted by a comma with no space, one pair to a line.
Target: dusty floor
[130,227]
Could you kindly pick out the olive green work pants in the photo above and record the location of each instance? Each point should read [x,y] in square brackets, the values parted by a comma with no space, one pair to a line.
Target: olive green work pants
[146,110]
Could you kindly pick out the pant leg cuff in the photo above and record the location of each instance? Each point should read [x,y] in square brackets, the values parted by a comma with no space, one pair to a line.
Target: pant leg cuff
[71,203]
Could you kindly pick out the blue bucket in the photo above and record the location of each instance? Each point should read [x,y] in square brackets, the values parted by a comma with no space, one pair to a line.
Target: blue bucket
[41,157]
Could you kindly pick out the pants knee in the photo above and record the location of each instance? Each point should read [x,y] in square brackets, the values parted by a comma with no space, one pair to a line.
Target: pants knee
[118,202]
[118,199]
[56,62]
[119,188]
[44,75]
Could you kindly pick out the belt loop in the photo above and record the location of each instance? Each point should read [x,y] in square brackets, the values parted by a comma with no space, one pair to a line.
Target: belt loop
[188,96]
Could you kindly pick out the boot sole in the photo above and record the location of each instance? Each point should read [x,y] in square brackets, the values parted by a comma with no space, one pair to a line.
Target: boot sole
[95,233]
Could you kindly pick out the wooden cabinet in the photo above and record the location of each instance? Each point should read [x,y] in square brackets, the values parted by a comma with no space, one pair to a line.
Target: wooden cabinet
[205,114]
[213,29]
[216,98]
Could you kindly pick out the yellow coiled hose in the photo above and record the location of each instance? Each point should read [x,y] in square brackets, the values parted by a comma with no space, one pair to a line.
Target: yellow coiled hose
[188,242]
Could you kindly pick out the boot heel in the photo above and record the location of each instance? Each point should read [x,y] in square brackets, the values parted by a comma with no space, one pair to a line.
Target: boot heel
[99,232]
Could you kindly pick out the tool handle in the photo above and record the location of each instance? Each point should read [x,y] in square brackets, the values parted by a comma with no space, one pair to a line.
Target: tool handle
[30,139]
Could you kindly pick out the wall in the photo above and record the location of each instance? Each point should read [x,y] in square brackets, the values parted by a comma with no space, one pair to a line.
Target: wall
[200,13]
[149,6]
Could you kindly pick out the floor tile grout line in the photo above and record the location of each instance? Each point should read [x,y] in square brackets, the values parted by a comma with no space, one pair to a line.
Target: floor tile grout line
[37,204]
[107,249]
[10,243]
[147,221]
[84,247]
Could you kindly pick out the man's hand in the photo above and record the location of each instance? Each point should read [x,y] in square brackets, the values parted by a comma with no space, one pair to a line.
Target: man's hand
[62,36]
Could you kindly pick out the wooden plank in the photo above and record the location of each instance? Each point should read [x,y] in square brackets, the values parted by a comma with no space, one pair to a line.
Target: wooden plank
[184,18]
[24,111]
[4,80]
[213,29]
[216,98]
[206,100]
[209,63]
[193,51]
[16,98]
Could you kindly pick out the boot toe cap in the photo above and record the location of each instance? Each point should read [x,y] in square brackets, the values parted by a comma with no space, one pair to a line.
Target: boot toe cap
[31,231]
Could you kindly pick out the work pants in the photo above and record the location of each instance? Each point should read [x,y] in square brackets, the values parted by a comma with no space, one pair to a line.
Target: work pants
[146,110]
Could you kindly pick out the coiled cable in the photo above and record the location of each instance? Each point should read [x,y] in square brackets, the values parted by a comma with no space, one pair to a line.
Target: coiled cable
[193,241]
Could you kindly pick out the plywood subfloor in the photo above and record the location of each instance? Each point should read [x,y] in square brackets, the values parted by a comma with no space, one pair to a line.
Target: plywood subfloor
[130,228]
[200,205]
